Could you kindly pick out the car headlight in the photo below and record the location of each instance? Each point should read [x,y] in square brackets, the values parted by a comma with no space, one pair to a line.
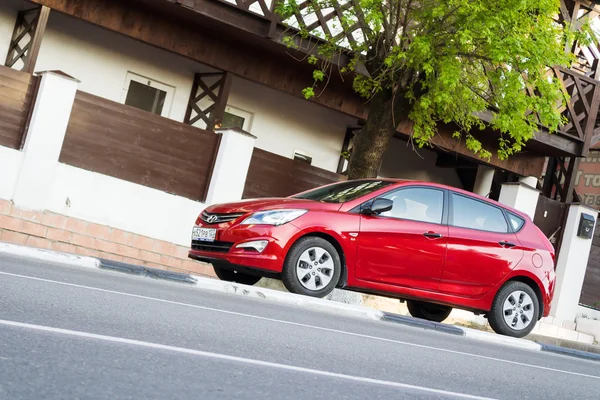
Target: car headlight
[273,217]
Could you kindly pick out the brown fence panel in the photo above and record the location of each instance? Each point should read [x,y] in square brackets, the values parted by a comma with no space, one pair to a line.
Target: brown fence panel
[130,144]
[590,293]
[272,175]
[17,90]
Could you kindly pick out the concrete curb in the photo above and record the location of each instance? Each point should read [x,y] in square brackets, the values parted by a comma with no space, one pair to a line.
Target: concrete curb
[49,255]
[502,340]
[421,323]
[310,303]
[570,352]
[146,271]
[286,298]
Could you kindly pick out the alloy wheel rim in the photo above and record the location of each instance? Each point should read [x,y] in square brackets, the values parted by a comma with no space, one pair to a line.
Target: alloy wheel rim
[315,268]
[518,310]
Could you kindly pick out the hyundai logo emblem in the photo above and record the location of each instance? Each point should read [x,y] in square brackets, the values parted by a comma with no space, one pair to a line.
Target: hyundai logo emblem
[212,219]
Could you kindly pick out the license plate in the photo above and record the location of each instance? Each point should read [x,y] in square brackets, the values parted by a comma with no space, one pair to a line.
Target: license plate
[204,234]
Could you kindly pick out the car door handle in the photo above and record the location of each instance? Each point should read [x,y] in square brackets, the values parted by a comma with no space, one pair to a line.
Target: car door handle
[506,244]
[432,235]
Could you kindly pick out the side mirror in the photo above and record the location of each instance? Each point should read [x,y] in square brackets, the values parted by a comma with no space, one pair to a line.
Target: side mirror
[378,206]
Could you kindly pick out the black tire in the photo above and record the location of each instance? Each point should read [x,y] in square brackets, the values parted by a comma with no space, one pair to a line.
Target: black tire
[230,275]
[290,277]
[428,311]
[496,316]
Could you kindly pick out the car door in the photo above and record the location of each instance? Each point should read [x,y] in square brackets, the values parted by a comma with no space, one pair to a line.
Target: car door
[405,246]
[481,247]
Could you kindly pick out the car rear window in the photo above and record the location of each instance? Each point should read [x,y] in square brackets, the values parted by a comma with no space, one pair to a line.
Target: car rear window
[515,222]
[344,191]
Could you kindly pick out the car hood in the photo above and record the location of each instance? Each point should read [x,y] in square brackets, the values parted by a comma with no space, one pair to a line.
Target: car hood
[252,205]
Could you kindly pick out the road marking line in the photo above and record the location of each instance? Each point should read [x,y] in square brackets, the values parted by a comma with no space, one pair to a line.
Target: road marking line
[421,346]
[225,357]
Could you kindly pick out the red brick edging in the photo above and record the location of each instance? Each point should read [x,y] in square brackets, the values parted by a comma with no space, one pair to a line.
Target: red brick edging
[57,232]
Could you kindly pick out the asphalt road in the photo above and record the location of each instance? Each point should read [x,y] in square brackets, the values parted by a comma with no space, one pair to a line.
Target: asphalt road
[73,333]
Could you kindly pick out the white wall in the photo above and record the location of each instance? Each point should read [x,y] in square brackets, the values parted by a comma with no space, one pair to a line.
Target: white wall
[124,205]
[588,312]
[100,59]
[10,166]
[283,123]
[401,161]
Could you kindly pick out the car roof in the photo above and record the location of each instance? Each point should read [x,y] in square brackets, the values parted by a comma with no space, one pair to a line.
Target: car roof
[405,182]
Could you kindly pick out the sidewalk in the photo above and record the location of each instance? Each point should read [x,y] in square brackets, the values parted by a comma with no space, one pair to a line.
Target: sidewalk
[372,307]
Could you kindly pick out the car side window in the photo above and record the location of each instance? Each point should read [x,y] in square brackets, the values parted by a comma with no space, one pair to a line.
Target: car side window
[475,214]
[416,204]
[516,222]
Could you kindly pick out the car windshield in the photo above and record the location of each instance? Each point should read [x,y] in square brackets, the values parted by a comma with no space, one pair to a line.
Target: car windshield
[343,191]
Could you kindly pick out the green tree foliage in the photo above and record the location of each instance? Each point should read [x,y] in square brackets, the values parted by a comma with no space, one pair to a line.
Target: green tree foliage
[432,62]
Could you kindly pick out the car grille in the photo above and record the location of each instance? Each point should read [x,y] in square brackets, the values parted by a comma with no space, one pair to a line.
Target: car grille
[216,247]
[212,218]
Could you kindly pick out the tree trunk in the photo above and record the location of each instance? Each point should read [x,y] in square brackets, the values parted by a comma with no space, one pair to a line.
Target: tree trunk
[373,139]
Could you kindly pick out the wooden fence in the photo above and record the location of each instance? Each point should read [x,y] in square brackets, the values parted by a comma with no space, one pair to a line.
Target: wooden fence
[271,175]
[17,91]
[130,144]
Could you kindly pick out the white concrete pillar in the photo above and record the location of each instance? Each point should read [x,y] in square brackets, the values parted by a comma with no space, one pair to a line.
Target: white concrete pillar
[571,264]
[231,167]
[529,180]
[520,196]
[484,180]
[43,144]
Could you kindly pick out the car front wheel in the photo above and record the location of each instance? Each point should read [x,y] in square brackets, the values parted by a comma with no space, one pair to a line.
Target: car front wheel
[230,275]
[312,267]
[515,310]
[428,311]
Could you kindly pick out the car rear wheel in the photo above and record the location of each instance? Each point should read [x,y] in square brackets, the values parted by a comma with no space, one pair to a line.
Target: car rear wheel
[230,275]
[515,310]
[312,267]
[428,311]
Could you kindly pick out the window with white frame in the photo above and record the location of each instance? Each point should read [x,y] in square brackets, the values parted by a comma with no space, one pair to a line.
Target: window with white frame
[147,94]
[301,156]
[234,117]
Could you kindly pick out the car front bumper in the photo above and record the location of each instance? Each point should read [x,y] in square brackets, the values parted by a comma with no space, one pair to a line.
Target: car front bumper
[224,250]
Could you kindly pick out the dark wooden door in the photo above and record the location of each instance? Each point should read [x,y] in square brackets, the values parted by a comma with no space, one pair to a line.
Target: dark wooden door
[590,293]
[550,217]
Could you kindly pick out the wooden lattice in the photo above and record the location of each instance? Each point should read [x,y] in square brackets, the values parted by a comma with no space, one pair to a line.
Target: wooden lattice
[208,99]
[574,14]
[559,179]
[260,7]
[320,22]
[27,39]
[581,110]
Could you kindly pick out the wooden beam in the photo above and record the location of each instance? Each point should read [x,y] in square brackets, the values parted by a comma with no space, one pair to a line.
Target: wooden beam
[216,117]
[570,180]
[549,177]
[36,40]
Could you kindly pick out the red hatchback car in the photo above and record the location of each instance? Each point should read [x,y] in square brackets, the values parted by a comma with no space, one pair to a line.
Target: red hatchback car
[436,247]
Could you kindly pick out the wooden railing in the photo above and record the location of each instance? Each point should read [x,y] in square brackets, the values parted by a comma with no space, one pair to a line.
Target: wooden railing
[17,92]
[581,111]
[272,175]
[130,144]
